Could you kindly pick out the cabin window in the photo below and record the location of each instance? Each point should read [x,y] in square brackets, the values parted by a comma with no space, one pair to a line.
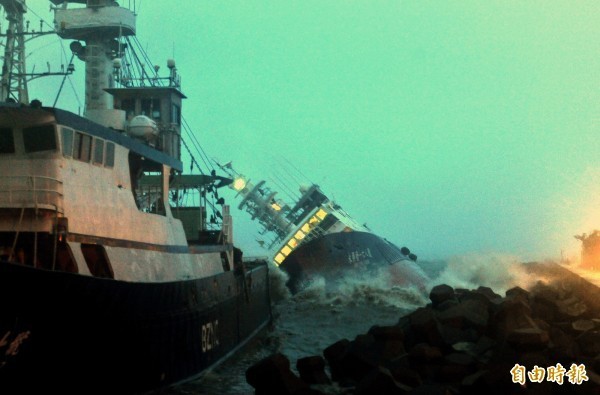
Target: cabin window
[128,105]
[67,141]
[98,151]
[82,147]
[109,160]
[151,108]
[7,141]
[175,114]
[39,138]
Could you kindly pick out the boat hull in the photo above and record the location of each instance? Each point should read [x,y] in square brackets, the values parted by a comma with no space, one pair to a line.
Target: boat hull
[80,334]
[333,255]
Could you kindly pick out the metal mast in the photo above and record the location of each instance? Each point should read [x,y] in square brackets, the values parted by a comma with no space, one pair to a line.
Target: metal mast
[14,77]
[260,202]
[99,24]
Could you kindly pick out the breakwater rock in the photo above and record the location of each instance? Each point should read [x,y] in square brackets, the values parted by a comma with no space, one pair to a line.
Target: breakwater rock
[544,339]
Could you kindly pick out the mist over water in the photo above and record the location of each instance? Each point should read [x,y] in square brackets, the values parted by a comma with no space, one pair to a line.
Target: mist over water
[321,314]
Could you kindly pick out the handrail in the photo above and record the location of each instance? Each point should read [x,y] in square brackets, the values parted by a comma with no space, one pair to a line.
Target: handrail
[31,190]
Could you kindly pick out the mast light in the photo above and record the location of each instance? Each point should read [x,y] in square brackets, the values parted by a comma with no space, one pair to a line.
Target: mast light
[239,183]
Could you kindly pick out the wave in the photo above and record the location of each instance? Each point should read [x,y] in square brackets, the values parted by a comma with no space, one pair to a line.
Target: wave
[385,286]
[495,270]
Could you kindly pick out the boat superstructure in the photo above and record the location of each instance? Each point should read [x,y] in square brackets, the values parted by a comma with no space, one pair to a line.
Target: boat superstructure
[107,279]
[314,235]
[590,250]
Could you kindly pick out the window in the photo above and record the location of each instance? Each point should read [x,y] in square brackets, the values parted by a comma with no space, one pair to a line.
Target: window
[39,138]
[67,141]
[98,151]
[151,108]
[175,114]
[7,142]
[82,147]
[109,160]
[279,258]
[128,105]
[76,145]
[299,235]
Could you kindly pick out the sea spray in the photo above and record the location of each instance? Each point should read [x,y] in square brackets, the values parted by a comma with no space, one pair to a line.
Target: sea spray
[277,280]
[322,312]
[497,271]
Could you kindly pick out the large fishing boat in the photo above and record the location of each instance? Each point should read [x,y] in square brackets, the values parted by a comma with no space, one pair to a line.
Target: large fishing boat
[314,236]
[108,284]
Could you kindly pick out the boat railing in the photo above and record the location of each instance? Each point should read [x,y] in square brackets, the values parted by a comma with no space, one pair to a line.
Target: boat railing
[38,192]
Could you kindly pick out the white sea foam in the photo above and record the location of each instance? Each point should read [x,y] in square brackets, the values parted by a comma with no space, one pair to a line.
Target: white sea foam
[497,271]
[380,287]
[277,280]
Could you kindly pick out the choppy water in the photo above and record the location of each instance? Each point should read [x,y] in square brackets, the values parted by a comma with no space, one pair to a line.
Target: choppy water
[310,321]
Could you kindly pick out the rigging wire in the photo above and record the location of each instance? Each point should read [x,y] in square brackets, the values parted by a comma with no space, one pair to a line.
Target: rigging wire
[285,191]
[196,144]
[295,168]
[291,175]
[284,186]
[62,83]
[130,72]
[138,62]
[147,59]
[192,156]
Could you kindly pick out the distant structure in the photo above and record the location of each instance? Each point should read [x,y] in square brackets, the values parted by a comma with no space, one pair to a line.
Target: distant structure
[590,250]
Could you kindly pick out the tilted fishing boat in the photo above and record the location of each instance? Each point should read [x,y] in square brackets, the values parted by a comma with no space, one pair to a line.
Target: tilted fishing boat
[314,236]
[107,283]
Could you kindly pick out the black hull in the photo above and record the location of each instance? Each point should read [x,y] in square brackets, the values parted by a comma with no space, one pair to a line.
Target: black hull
[80,334]
[336,254]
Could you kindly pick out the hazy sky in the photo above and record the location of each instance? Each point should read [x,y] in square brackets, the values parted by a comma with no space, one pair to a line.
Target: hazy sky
[449,127]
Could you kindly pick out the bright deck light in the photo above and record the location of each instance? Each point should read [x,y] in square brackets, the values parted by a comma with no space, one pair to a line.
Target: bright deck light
[239,184]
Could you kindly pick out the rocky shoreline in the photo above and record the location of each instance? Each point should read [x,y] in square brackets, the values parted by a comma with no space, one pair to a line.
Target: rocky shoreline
[544,339]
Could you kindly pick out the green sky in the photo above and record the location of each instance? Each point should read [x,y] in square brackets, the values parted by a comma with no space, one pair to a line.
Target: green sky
[448,126]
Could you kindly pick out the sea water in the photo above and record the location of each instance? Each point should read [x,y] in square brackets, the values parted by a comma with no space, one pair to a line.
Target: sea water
[320,315]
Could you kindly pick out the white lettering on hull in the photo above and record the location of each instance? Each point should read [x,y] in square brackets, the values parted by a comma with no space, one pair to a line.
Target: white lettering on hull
[210,335]
[359,255]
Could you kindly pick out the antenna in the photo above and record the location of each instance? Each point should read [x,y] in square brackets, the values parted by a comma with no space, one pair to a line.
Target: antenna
[14,77]
[13,70]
